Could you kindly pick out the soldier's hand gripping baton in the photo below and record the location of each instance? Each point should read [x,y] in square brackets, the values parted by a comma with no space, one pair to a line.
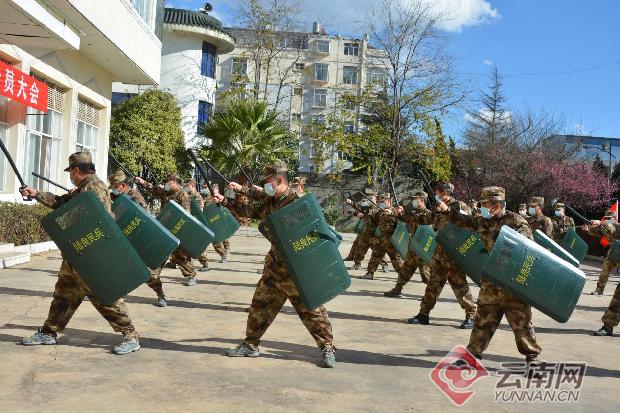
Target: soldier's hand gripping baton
[218,173]
[201,169]
[19,176]
[50,181]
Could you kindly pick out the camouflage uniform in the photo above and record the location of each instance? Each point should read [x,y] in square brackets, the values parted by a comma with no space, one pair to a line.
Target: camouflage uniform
[540,222]
[561,224]
[276,285]
[443,268]
[70,289]
[611,318]
[181,197]
[611,232]
[494,302]
[387,224]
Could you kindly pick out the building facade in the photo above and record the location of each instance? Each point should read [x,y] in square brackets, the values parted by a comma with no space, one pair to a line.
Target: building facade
[308,74]
[192,41]
[77,48]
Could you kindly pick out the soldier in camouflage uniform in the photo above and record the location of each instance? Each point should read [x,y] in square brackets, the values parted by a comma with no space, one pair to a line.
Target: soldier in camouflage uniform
[70,289]
[276,285]
[523,210]
[494,302]
[172,190]
[412,260]
[299,184]
[608,229]
[119,184]
[387,221]
[443,268]
[561,222]
[536,219]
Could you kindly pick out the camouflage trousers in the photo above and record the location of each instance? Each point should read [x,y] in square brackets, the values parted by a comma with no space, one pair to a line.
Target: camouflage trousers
[272,291]
[222,248]
[444,269]
[603,277]
[412,263]
[611,318]
[184,262]
[69,293]
[363,242]
[154,282]
[354,247]
[380,248]
[493,304]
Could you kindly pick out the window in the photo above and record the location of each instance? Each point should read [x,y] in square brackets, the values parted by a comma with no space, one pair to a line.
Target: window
[377,76]
[320,98]
[204,110]
[318,118]
[322,46]
[351,49]
[299,66]
[298,91]
[207,65]
[349,75]
[297,117]
[43,133]
[301,42]
[349,127]
[283,43]
[343,156]
[239,66]
[87,128]
[320,71]
[3,127]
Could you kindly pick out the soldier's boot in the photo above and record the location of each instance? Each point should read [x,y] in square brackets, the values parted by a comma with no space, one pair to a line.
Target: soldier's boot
[604,331]
[171,264]
[368,276]
[224,259]
[161,301]
[384,267]
[394,292]
[329,357]
[467,324]
[191,281]
[598,292]
[204,268]
[419,319]
[39,338]
[356,266]
[127,345]
[242,350]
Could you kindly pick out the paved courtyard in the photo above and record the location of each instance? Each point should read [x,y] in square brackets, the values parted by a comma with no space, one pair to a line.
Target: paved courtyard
[383,363]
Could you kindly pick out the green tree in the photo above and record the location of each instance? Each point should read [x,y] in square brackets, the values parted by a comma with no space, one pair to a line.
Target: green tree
[146,129]
[246,133]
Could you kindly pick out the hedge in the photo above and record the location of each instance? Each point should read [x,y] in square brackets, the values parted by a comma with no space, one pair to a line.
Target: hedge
[21,223]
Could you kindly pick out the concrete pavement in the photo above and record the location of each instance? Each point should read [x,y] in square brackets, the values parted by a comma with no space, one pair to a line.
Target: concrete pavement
[383,363]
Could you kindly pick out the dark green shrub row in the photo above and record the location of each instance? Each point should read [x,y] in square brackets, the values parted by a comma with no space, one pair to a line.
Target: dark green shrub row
[21,223]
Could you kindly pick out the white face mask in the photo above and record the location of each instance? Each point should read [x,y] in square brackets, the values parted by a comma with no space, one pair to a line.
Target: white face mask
[486,213]
[167,187]
[609,221]
[383,205]
[531,211]
[558,213]
[269,189]
[115,192]
[439,198]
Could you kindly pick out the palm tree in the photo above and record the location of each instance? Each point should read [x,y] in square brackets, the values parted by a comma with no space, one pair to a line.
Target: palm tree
[246,133]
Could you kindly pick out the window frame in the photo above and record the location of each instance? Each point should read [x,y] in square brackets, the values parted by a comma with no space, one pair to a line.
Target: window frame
[314,98]
[352,49]
[354,75]
[208,61]
[326,70]
[54,143]
[204,107]
[319,45]
[235,62]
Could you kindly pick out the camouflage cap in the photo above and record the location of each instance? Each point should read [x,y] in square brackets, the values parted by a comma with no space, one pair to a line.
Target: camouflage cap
[299,180]
[174,177]
[492,193]
[418,194]
[537,201]
[559,205]
[444,187]
[369,191]
[116,178]
[383,196]
[79,158]
[278,167]
[190,181]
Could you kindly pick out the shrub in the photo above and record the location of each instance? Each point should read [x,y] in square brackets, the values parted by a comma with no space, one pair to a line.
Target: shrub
[330,209]
[21,223]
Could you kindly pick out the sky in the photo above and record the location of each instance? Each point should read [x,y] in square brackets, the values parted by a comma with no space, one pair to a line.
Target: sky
[560,56]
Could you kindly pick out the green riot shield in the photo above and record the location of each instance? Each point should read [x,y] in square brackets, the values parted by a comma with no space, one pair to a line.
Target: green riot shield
[221,221]
[574,244]
[96,247]
[309,249]
[194,208]
[360,226]
[614,252]
[423,243]
[465,248]
[550,245]
[400,239]
[194,236]
[153,242]
[534,275]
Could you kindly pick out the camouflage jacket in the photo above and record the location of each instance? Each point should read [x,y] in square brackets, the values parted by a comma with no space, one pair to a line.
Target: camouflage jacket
[90,184]
[181,197]
[489,228]
[387,222]
[411,218]
[241,199]
[561,226]
[609,231]
[543,223]
[137,197]
[439,219]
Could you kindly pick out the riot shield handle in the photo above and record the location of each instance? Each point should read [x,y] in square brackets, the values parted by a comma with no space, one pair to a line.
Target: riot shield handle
[50,181]
[15,170]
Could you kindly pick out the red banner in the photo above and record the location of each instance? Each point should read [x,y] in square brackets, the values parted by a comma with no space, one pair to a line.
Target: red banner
[25,89]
